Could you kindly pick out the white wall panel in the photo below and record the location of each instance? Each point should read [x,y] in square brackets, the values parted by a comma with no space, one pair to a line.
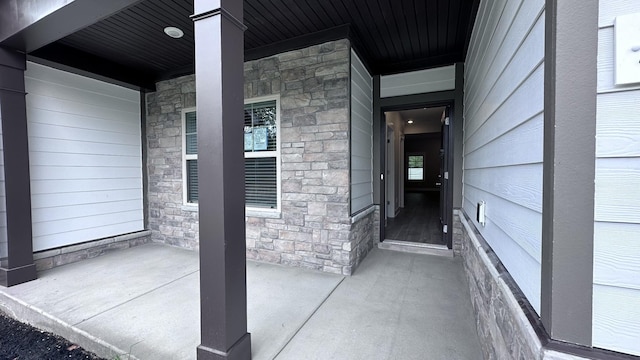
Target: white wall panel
[503,134]
[85,151]
[616,318]
[418,82]
[361,136]
[616,273]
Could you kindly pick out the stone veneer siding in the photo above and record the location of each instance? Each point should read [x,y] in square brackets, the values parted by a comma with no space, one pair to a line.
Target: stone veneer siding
[504,330]
[48,259]
[314,228]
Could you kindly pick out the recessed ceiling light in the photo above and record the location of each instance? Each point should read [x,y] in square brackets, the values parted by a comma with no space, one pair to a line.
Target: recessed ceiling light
[174,32]
[410,122]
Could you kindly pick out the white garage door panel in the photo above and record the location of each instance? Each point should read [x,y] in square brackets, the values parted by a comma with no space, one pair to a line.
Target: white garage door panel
[85,158]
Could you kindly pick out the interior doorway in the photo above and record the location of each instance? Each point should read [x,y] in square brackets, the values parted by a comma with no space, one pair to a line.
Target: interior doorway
[416,173]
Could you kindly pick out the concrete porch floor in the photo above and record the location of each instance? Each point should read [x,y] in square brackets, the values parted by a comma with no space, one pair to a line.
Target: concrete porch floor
[144,302]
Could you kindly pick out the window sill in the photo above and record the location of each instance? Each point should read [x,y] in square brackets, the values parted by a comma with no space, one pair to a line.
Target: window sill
[189,207]
[249,212]
[263,213]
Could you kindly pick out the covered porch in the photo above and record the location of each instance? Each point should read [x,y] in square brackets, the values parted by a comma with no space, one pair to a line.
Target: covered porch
[142,303]
[321,216]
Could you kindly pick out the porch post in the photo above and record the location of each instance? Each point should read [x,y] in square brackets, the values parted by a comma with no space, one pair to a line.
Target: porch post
[16,254]
[219,61]
[571,42]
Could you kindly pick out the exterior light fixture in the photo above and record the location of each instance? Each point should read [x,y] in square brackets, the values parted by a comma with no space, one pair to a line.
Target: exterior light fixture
[174,32]
[410,122]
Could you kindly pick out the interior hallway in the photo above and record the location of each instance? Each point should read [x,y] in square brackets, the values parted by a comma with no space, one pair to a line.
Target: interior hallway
[418,221]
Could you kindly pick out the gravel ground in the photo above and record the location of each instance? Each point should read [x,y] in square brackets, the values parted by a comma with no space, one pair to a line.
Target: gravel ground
[19,341]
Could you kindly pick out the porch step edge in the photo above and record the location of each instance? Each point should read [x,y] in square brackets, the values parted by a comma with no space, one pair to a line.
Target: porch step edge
[416,248]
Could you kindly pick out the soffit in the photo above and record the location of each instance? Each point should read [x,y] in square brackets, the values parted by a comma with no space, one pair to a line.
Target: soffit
[390,35]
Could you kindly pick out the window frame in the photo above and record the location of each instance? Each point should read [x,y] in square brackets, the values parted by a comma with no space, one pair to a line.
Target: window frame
[269,154]
[259,154]
[409,166]
[186,157]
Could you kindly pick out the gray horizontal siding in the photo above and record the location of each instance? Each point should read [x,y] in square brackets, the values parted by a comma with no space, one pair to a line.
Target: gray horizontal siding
[616,277]
[85,158]
[503,134]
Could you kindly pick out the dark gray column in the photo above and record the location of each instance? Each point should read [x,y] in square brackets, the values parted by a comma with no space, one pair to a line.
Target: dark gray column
[379,156]
[18,266]
[219,97]
[569,169]
[458,137]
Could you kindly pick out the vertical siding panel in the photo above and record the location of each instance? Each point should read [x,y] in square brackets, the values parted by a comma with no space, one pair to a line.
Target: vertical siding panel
[85,153]
[504,102]
[361,136]
[418,82]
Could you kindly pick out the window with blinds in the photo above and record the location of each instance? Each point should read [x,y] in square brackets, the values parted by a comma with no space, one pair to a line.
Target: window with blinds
[261,149]
[191,156]
[261,154]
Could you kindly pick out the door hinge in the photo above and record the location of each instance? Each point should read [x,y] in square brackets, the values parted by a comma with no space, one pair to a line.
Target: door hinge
[446,121]
[445,228]
[446,175]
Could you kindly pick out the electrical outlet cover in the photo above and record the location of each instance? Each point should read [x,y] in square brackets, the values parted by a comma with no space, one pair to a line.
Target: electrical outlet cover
[627,49]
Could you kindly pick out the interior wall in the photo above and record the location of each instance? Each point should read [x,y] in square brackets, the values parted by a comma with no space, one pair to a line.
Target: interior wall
[503,134]
[395,121]
[429,146]
[616,276]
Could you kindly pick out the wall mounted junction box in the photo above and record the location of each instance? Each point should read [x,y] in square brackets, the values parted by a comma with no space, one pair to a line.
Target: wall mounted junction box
[627,49]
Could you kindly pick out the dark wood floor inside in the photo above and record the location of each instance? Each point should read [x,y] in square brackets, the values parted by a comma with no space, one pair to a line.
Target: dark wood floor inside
[418,221]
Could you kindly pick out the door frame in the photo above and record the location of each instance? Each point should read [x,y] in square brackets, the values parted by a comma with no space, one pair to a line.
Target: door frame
[425,100]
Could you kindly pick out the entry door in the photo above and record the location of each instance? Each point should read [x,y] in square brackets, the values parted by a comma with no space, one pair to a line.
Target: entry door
[444,174]
[390,173]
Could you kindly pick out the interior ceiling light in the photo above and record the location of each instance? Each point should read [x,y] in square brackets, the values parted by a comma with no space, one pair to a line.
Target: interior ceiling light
[410,122]
[174,32]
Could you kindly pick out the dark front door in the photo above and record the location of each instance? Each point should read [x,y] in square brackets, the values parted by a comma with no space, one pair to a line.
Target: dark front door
[444,174]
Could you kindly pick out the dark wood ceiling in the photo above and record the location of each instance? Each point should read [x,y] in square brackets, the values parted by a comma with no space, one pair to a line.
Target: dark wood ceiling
[391,35]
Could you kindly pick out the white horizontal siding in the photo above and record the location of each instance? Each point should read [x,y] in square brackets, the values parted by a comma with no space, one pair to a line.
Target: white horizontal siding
[503,134]
[85,153]
[616,273]
[418,82]
[361,136]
